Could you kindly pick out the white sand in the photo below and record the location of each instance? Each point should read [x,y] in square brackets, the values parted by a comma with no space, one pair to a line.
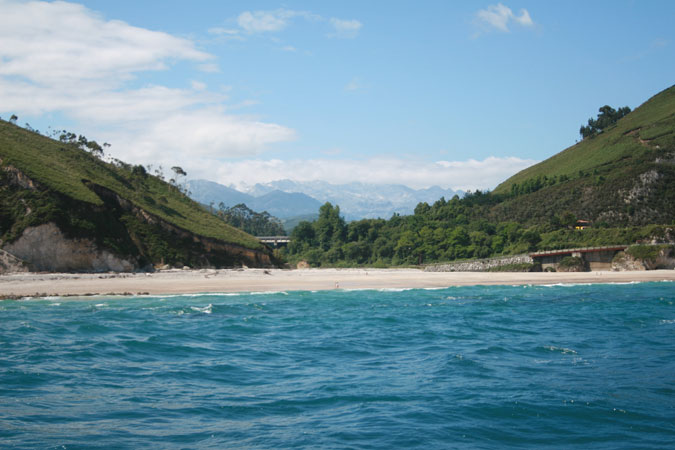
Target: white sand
[254,280]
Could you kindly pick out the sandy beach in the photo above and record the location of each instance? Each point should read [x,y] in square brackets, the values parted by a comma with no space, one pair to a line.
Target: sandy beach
[260,280]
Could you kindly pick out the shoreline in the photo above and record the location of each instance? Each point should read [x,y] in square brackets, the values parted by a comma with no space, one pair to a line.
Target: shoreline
[21,285]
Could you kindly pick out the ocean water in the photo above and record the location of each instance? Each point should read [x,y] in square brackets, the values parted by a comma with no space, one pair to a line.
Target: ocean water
[586,366]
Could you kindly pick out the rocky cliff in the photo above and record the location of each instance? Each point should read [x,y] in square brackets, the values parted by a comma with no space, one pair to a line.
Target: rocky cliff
[47,249]
[644,257]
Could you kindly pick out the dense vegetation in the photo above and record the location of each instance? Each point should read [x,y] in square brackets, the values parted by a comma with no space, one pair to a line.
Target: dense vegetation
[82,194]
[608,116]
[255,223]
[622,180]
[444,231]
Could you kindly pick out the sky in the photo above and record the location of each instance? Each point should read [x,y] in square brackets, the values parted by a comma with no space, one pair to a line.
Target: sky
[459,95]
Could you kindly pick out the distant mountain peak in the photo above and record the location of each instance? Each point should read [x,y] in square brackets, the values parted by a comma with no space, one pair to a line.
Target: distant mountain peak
[357,200]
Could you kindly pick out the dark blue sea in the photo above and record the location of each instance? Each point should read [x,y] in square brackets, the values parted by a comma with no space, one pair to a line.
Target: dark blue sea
[585,366]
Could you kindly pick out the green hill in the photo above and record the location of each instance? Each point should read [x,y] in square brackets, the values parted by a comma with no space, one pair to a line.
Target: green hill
[120,208]
[624,175]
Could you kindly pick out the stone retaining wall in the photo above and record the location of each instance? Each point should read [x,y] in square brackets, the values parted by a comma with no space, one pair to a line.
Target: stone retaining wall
[479,265]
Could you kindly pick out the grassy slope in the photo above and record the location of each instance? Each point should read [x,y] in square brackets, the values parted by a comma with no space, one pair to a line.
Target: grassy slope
[653,123]
[63,168]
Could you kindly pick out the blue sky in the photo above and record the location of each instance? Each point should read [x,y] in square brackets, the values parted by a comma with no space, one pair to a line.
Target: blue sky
[460,95]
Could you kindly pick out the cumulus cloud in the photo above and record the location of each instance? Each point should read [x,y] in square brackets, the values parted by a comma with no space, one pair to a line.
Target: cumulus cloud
[346,29]
[62,57]
[470,174]
[213,134]
[62,43]
[499,17]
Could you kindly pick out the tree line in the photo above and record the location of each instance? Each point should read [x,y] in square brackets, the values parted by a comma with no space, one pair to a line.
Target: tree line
[446,230]
[443,231]
[242,217]
[607,116]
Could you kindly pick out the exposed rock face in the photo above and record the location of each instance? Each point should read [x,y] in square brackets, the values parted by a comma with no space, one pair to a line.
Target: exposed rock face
[479,265]
[642,186]
[47,249]
[626,262]
[623,262]
[18,178]
[9,263]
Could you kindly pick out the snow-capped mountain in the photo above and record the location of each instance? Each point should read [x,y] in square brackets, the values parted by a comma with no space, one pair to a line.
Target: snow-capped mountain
[287,198]
[276,202]
[360,200]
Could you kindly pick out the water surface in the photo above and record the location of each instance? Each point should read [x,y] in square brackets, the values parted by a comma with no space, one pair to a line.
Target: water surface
[589,366]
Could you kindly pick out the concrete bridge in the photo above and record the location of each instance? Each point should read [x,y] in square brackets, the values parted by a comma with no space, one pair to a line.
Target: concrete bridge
[597,258]
[275,241]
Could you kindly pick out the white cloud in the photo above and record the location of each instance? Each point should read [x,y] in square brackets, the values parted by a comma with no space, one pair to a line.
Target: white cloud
[471,174]
[263,21]
[62,57]
[346,29]
[499,17]
[198,85]
[223,31]
[270,21]
[62,43]
[226,34]
[213,135]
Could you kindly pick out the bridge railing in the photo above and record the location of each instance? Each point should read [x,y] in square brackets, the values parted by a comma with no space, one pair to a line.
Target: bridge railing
[274,240]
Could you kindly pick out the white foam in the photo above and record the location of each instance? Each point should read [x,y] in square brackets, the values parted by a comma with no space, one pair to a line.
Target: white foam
[213,294]
[593,284]
[206,309]
[269,293]
[562,350]
[394,289]
[202,294]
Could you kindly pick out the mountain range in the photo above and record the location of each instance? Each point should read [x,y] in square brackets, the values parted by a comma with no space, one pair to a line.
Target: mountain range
[287,198]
